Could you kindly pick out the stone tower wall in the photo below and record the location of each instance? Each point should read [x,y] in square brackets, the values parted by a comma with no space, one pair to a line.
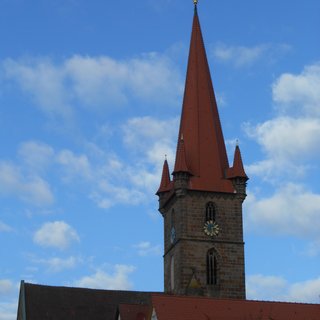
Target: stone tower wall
[192,244]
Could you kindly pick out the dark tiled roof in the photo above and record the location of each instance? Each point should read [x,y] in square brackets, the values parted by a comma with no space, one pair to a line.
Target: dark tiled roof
[192,308]
[59,303]
[135,312]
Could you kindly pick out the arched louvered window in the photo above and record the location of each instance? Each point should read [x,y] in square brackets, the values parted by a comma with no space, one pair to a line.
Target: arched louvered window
[212,268]
[210,211]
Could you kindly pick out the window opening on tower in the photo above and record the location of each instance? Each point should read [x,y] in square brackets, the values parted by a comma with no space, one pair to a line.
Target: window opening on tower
[212,268]
[210,212]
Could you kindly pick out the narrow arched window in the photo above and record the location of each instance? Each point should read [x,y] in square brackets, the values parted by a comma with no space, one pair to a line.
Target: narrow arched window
[210,211]
[212,268]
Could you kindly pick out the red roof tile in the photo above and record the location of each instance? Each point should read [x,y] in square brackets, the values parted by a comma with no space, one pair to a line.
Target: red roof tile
[181,161]
[205,151]
[165,184]
[195,308]
[237,170]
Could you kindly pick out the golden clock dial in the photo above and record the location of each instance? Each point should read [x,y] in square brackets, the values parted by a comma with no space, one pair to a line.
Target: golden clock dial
[211,228]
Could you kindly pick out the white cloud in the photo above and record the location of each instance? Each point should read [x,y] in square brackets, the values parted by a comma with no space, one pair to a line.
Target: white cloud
[59,264]
[108,195]
[101,200]
[107,179]
[155,76]
[118,280]
[150,139]
[36,155]
[299,93]
[43,81]
[8,299]
[95,81]
[56,234]
[37,191]
[291,210]
[242,56]
[260,287]
[4,227]
[74,165]
[290,139]
[306,291]
[147,140]
[99,80]
[276,288]
[287,142]
[6,286]
[152,136]
[150,131]
[271,170]
[145,248]
[32,188]
[8,310]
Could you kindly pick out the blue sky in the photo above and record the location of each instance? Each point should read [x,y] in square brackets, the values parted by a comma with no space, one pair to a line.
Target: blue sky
[90,97]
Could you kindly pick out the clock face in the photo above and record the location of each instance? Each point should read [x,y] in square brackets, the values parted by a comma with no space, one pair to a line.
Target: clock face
[173,235]
[211,228]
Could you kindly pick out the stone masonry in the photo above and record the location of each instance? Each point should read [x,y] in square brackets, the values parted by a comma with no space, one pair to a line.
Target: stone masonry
[187,215]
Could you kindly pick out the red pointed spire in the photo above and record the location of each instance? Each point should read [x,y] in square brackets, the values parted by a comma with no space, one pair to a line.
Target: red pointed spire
[237,170]
[181,162]
[205,151]
[165,184]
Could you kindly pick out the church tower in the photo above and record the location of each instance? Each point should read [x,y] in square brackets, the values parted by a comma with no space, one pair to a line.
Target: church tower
[202,204]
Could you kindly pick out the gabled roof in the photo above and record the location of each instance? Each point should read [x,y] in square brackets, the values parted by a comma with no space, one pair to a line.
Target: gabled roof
[200,127]
[195,308]
[40,302]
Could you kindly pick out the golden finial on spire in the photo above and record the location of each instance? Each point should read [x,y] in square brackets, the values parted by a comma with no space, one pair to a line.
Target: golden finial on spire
[195,2]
